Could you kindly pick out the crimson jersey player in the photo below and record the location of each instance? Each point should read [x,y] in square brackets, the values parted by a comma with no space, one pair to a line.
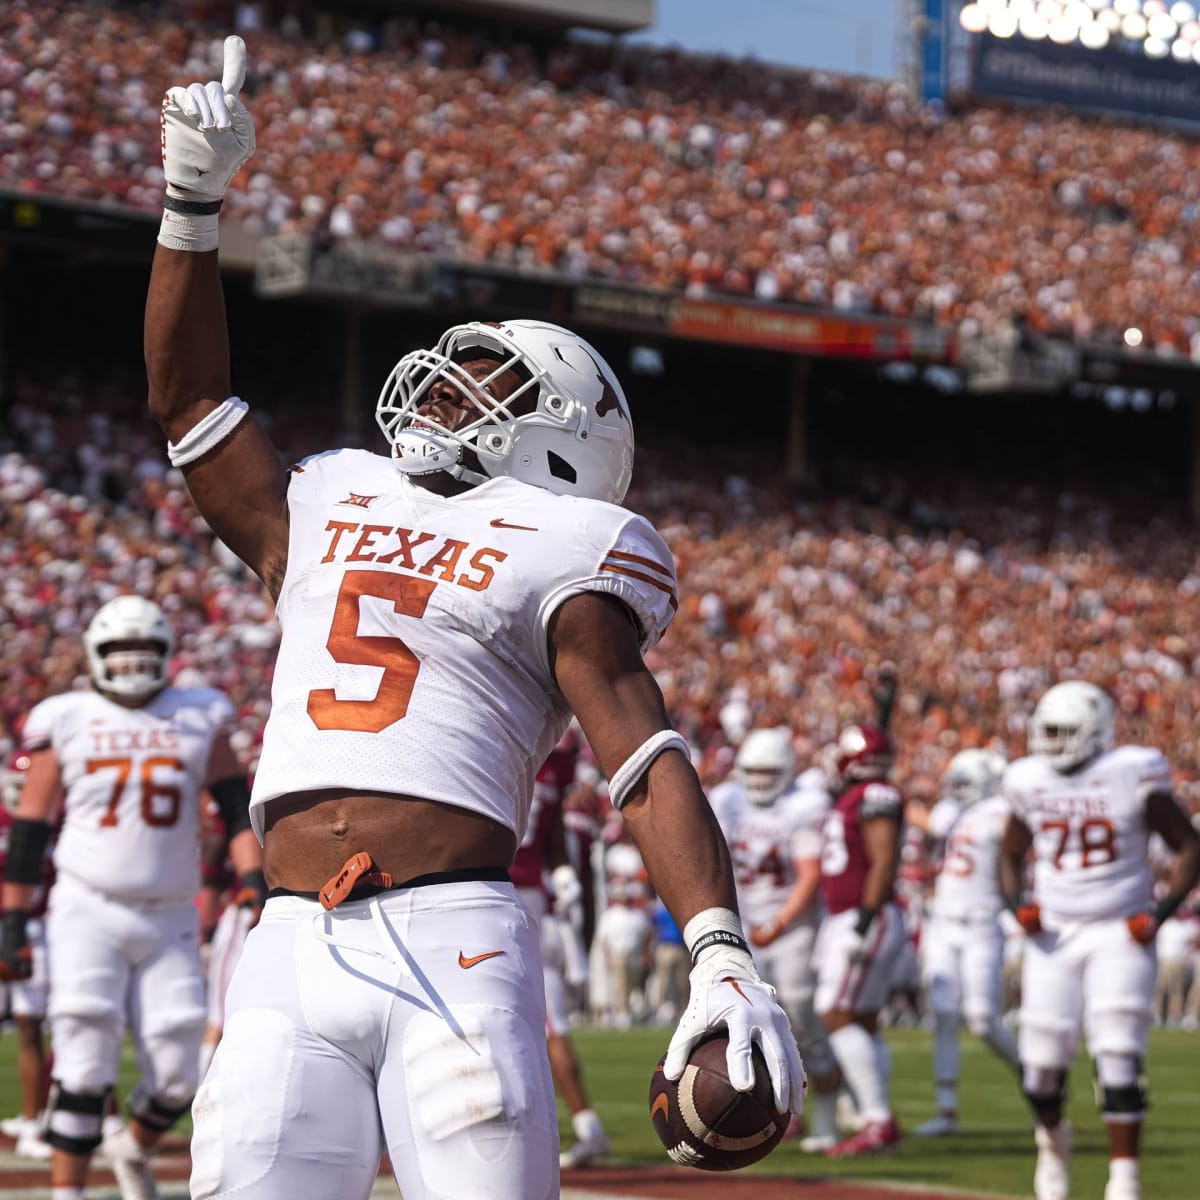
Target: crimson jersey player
[862,936]
[549,885]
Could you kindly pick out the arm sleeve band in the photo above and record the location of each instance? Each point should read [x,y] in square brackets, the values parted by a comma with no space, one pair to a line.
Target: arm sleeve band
[207,433]
[233,799]
[27,842]
[638,763]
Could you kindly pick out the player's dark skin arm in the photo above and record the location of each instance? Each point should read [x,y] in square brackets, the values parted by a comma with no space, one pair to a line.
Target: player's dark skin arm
[1010,863]
[881,841]
[241,486]
[1170,822]
[598,665]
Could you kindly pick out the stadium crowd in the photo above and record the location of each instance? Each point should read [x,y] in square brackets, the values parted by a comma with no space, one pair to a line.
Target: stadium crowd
[646,167]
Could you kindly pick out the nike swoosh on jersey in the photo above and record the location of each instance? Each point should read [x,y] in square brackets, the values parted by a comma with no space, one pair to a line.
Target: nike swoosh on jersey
[467,963]
[497,523]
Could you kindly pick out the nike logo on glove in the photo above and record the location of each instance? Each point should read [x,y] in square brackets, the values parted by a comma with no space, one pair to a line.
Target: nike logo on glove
[497,523]
[467,963]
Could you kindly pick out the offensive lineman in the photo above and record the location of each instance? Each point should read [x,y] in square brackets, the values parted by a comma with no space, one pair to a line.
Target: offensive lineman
[126,763]
[1084,809]
[443,611]
[862,936]
[962,944]
[772,822]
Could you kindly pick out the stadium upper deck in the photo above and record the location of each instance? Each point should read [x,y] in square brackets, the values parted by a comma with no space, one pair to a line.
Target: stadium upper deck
[653,169]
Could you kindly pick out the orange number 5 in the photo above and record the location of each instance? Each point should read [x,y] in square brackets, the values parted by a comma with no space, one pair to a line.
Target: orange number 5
[400,665]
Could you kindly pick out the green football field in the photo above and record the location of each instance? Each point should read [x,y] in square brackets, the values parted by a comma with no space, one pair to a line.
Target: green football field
[994,1153]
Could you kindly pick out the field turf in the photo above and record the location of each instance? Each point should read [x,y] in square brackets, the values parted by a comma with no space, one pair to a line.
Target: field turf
[993,1155]
[994,1152]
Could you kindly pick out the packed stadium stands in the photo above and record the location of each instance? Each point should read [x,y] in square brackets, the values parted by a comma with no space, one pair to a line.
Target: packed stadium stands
[651,168]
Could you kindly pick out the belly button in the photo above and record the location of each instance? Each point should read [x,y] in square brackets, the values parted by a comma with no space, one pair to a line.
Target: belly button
[341,827]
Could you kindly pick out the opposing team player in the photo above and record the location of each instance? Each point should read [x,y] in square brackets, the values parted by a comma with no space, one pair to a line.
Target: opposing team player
[443,610]
[550,887]
[962,943]
[1084,809]
[862,936]
[126,763]
[24,1000]
[772,822]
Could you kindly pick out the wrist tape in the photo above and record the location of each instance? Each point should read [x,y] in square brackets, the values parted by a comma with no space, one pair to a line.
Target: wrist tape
[714,927]
[189,224]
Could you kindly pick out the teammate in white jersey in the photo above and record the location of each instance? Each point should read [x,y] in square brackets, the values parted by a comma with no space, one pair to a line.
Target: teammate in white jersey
[1084,810]
[444,608]
[772,821]
[125,764]
[962,943]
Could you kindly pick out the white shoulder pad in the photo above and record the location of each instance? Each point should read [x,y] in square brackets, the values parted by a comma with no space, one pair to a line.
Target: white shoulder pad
[634,565]
[1146,768]
[880,800]
[942,817]
[43,722]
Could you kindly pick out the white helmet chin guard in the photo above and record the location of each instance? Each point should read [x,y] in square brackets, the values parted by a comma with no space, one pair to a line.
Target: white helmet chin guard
[973,775]
[577,440]
[1073,722]
[766,764]
[118,669]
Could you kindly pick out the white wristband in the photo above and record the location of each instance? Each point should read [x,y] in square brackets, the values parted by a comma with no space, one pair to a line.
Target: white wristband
[188,231]
[207,433]
[638,763]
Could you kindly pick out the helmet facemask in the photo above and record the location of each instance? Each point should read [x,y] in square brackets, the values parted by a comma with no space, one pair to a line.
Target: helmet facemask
[1072,724]
[765,765]
[129,644]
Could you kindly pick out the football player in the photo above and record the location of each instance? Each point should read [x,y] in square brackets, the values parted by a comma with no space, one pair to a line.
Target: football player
[862,937]
[772,821]
[444,608]
[962,944]
[550,887]
[1084,808]
[24,1000]
[125,763]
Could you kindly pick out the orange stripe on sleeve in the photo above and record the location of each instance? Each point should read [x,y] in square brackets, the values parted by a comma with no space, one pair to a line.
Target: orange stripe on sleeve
[662,587]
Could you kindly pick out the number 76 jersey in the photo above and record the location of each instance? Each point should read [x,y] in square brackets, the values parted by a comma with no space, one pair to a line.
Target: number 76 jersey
[1090,837]
[132,779]
[414,658]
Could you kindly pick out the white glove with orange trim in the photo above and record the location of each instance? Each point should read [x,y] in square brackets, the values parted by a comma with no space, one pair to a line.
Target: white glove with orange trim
[726,992]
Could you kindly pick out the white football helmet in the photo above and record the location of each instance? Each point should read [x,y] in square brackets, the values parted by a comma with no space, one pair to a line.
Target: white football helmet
[577,440]
[766,764]
[118,670]
[1072,723]
[972,775]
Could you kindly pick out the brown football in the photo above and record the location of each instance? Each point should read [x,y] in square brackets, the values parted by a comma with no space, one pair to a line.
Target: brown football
[704,1122]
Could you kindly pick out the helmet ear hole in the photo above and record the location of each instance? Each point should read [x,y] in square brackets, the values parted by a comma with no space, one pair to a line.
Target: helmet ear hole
[560,468]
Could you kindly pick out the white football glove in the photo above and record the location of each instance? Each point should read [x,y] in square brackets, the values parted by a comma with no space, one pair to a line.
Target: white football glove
[207,134]
[855,945]
[726,992]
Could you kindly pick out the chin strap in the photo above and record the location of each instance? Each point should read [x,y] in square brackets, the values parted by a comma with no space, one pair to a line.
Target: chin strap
[423,452]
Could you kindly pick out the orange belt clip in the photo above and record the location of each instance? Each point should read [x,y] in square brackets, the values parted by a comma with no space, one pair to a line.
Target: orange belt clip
[357,872]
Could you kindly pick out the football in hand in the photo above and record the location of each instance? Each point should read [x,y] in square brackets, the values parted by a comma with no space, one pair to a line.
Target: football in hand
[705,1122]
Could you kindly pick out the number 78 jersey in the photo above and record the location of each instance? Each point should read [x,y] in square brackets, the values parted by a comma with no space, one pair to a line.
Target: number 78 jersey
[1090,837]
[414,658]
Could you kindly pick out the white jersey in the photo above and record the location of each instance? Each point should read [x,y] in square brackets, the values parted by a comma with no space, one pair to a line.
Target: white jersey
[968,885]
[132,778]
[765,840]
[414,654]
[1090,838]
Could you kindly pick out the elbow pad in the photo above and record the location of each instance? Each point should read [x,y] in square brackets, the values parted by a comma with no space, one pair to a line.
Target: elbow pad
[233,799]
